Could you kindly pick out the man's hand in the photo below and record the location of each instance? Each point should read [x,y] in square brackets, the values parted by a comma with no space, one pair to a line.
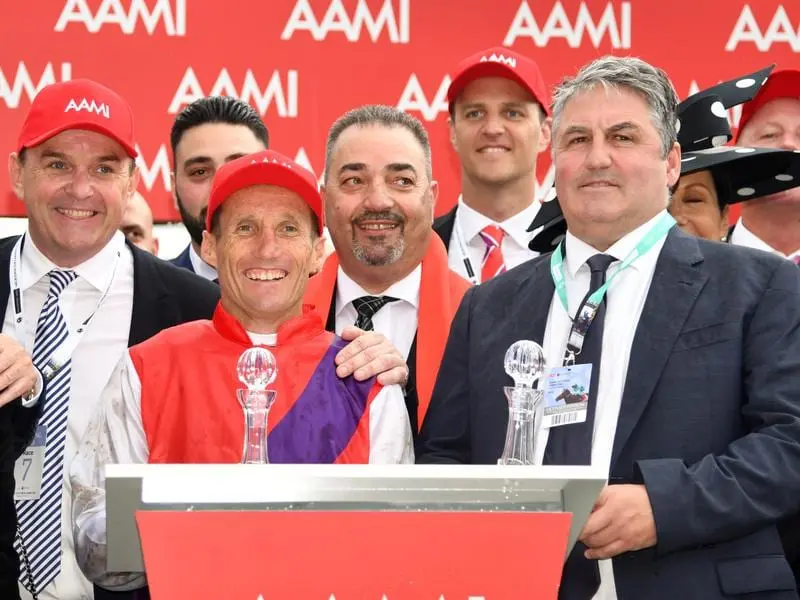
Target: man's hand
[368,354]
[621,521]
[17,373]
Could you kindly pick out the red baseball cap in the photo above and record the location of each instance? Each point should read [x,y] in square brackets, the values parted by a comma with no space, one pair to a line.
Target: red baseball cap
[78,104]
[781,84]
[501,62]
[264,168]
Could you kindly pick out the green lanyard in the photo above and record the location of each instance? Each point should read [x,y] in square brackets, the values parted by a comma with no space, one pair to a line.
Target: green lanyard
[587,313]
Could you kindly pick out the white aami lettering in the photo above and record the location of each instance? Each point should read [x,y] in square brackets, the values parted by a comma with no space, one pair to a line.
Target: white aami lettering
[301,158]
[11,91]
[413,98]
[284,97]
[337,19]
[159,168]
[558,25]
[780,30]
[507,60]
[112,12]
[75,105]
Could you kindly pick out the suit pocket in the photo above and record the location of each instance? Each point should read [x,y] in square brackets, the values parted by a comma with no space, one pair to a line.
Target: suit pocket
[755,574]
[707,336]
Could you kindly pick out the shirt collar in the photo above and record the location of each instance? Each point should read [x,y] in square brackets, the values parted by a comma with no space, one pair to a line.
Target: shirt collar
[97,270]
[742,236]
[578,251]
[200,266]
[406,289]
[472,222]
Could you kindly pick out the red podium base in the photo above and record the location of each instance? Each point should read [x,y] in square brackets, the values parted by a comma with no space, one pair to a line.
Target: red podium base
[353,555]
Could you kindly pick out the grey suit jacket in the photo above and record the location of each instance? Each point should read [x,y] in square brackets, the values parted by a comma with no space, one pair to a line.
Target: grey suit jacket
[709,421]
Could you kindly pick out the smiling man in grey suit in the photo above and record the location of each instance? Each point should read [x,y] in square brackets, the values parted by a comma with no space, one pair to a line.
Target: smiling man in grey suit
[693,395]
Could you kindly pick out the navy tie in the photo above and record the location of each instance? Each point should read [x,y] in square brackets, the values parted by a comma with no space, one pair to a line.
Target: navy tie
[40,519]
[572,444]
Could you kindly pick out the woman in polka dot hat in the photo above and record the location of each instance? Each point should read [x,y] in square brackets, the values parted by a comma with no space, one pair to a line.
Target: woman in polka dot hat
[714,175]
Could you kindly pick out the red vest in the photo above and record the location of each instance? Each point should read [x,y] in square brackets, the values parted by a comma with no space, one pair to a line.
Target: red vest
[191,414]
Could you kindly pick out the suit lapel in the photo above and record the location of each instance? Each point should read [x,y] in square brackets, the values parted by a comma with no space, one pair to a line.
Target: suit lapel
[444,226]
[534,297]
[150,307]
[676,284]
[5,285]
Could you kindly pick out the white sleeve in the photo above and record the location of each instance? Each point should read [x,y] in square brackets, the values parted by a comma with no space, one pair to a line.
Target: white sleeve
[389,428]
[115,435]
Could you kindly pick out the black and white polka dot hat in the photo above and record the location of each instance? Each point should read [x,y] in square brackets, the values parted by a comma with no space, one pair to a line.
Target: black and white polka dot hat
[703,117]
[739,173]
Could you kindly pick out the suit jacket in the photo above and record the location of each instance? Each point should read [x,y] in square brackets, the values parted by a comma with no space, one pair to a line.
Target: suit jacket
[183,260]
[709,420]
[548,216]
[163,296]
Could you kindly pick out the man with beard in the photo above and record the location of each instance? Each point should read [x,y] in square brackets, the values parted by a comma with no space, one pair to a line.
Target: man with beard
[206,134]
[499,124]
[389,272]
[772,119]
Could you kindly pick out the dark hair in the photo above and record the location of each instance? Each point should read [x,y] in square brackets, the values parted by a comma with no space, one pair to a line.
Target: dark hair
[385,116]
[22,155]
[217,109]
[216,217]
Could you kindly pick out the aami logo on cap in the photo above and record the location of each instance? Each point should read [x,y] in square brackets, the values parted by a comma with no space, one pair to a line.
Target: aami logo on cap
[101,109]
[507,60]
[276,161]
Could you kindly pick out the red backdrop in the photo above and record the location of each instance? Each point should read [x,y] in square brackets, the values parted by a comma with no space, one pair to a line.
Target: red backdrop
[304,62]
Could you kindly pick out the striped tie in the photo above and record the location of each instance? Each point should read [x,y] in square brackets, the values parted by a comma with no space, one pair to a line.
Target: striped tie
[492,264]
[40,520]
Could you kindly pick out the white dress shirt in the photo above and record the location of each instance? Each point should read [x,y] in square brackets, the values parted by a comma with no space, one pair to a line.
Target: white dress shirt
[95,357]
[116,436]
[625,299]
[396,320]
[742,236]
[468,225]
[200,266]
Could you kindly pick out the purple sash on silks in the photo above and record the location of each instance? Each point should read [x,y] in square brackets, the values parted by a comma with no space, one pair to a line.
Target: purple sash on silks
[322,421]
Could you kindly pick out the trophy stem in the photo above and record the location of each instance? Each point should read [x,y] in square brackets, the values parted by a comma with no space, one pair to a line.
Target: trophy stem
[519,446]
[256,405]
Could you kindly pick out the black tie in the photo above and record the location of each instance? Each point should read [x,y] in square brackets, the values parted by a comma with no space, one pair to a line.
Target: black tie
[572,444]
[366,307]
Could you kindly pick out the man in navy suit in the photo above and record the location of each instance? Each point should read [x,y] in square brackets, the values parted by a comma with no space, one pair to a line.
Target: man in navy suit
[692,362]
[205,135]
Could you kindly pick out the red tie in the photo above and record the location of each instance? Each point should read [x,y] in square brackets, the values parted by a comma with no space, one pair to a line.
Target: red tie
[492,265]
[796,259]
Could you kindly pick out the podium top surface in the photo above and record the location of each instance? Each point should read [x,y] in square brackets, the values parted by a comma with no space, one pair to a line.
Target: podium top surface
[256,484]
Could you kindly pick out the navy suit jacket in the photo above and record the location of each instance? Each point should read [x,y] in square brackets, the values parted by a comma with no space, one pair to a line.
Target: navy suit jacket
[183,260]
[163,296]
[709,421]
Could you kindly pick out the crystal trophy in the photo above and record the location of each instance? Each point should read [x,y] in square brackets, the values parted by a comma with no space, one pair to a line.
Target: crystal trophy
[525,364]
[256,369]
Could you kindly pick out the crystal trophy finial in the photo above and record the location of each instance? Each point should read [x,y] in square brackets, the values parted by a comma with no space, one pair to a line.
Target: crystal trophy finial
[524,363]
[256,369]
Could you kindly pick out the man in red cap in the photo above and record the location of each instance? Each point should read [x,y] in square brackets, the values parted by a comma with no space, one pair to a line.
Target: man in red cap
[499,124]
[772,223]
[264,232]
[75,295]
[772,119]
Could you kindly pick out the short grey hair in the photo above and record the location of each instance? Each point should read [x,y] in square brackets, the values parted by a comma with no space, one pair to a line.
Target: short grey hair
[651,83]
[385,116]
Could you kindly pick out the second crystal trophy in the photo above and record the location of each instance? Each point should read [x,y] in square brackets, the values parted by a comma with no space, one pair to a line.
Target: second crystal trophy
[256,369]
[525,364]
